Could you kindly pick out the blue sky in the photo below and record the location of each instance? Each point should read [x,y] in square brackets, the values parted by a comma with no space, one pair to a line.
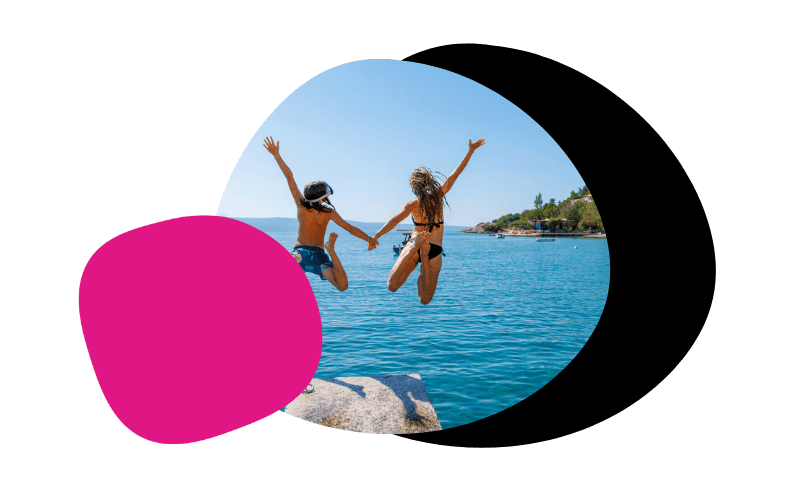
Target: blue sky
[364,126]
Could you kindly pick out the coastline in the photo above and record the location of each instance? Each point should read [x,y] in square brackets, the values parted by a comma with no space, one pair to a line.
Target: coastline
[539,235]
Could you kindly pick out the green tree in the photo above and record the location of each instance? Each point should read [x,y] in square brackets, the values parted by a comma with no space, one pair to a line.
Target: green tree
[574,214]
[554,223]
[507,219]
[550,210]
[579,215]
[596,212]
[591,218]
[528,215]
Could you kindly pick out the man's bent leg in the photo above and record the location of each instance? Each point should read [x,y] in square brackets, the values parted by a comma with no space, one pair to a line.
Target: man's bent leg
[335,274]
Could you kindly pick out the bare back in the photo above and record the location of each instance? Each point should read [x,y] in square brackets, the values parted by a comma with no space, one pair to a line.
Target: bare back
[423,224]
[312,226]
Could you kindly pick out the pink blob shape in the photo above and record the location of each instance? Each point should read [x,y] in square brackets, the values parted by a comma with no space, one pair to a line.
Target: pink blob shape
[198,326]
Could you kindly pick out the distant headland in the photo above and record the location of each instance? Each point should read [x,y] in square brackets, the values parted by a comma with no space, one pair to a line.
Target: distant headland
[577,215]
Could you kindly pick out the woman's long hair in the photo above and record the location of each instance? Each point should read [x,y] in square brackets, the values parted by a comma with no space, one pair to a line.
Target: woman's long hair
[429,192]
[314,190]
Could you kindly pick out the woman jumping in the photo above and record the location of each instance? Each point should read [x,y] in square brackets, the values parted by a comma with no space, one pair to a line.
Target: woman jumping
[313,218]
[427,215]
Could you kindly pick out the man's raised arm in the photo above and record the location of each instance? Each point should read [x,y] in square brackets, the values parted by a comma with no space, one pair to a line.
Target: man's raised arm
[272,147]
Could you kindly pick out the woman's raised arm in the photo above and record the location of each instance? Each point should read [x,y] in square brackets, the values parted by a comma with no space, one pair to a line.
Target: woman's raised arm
[451,179]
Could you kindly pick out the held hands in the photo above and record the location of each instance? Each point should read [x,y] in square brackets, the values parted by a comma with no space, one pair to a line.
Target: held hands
[271,146]
[372,243]
[475,145]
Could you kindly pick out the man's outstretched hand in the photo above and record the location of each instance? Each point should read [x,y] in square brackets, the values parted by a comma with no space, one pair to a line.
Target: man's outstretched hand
[271,146]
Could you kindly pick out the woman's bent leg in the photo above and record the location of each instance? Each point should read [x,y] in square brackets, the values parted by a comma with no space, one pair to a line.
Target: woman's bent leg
[406,262]
[428,275]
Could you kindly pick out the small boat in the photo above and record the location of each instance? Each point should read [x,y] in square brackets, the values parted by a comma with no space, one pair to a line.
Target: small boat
[546,239]
[499,235]
[398,248]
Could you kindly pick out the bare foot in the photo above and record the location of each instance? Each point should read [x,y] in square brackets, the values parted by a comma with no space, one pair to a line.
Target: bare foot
[331,242]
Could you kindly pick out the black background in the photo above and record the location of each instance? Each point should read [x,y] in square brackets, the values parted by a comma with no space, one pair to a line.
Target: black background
[169,131]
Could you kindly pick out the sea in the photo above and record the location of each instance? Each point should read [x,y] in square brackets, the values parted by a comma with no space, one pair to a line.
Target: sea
[508,315]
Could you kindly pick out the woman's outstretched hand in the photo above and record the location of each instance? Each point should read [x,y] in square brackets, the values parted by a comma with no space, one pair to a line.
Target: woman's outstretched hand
[372,243]
[475,145]
[272,147]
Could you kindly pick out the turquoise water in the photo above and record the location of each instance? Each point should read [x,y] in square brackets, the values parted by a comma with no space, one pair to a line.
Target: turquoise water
[508,315]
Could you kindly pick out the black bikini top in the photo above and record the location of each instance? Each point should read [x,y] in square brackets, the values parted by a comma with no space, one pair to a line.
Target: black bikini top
[431,225]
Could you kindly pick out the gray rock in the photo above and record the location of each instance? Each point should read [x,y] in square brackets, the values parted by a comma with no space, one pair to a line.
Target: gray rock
[477,229]
[396,404]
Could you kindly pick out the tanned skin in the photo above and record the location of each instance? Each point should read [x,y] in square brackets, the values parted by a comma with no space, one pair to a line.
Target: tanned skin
[421,239]
[313,224]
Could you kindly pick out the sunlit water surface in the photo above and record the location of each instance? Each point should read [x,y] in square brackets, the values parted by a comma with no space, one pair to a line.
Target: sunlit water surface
[508,315]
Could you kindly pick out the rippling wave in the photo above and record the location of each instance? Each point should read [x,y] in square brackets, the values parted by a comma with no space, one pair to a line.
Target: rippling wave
[508,315]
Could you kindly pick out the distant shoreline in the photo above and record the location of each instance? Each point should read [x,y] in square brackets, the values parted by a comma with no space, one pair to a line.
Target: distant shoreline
[539,235]
[290,224]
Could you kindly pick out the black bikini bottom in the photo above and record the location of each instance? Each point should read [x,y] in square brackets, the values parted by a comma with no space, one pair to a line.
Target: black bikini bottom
[434,252]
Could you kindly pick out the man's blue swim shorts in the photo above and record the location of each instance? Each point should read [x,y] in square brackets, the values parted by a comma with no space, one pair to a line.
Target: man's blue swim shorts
[312,259]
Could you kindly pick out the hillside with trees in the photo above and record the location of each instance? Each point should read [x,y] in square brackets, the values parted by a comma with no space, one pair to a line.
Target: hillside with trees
[579,209]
